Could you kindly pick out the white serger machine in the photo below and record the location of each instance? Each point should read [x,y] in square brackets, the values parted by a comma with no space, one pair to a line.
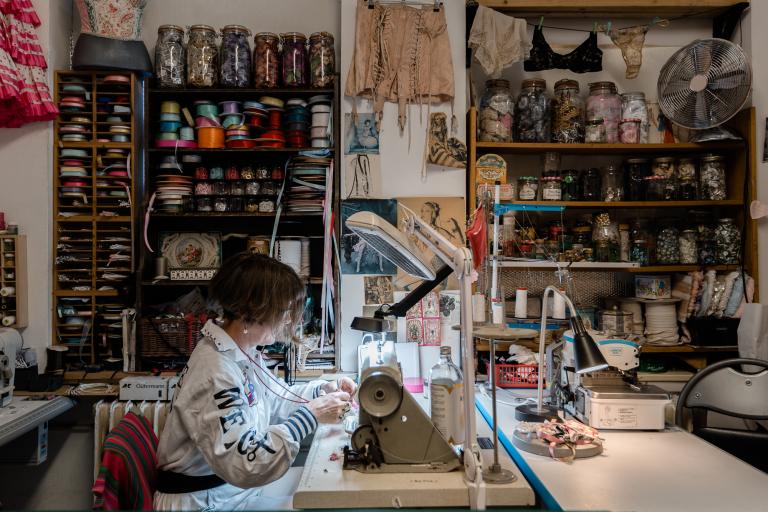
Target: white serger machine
[10,344]
[612,398]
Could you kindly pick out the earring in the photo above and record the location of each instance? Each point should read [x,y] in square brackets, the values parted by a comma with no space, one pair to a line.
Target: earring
[245,329]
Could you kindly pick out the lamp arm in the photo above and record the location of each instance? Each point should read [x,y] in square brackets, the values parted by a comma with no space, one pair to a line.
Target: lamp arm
[549,290]
[401,308]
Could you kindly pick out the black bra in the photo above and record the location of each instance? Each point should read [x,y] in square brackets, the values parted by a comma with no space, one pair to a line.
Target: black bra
[586,58]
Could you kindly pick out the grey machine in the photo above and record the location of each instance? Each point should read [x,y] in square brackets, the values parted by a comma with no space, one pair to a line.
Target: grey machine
[393,434]
[10,344]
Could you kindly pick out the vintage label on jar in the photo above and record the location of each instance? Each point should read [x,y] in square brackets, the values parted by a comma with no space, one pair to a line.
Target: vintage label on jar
[491,168]
[551,193]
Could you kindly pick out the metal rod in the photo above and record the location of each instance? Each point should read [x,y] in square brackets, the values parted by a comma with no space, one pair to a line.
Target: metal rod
[493,399]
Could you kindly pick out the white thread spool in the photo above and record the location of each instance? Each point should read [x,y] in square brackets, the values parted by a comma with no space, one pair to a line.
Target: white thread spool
[478,308]
[8,291]
[521,303]
[637,315]
[661,323]
[9,321]
[558,306]
[497,310]
[289,252]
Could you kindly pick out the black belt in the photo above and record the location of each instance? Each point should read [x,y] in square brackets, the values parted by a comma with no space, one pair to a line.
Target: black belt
[169,482]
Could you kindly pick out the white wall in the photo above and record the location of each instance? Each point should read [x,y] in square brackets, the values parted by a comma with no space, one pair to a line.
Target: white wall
[400,166]
[25,180]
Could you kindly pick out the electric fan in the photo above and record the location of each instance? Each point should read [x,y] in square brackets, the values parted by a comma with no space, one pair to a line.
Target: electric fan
[703,85]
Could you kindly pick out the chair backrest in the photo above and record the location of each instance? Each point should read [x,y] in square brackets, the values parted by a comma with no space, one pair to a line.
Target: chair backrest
[128,471]
[723,387]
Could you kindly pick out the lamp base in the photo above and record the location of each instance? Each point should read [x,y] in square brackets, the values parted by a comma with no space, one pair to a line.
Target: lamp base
[535,414]
[495,474]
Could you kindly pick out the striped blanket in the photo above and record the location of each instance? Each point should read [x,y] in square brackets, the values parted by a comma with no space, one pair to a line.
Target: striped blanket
[128,471]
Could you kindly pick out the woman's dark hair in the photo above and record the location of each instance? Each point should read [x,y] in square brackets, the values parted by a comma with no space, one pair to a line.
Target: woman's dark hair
[258,289]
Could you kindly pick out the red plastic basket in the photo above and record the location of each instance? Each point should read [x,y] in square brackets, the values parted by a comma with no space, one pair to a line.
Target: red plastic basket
[517,375]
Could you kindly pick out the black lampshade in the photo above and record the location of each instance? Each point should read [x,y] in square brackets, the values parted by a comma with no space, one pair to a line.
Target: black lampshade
[587,355]
[367,324]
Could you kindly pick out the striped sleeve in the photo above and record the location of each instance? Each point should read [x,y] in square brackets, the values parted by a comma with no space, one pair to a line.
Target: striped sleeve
[301,424]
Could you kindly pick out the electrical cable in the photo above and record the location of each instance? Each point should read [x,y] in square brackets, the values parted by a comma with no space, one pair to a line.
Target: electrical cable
[301,400]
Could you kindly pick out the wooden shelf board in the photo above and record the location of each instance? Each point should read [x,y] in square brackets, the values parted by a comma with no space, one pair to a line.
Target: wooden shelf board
[89,293]
[207,215]
[531,147]
[611,266]
[613,8]
[231,151]
[633,204]
[168,282]
[681,268]
[684,349]
[240,92]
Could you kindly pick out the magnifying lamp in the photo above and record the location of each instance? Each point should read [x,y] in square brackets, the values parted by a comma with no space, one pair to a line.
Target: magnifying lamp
[395,246]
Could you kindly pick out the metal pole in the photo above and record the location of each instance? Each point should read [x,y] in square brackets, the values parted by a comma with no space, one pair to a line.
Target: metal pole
[493,399]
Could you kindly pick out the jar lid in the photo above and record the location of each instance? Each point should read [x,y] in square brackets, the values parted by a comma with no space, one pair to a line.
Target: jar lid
[534,83]
[551,178]
[321,35]
[527,178]
[635,95]
[165,28]
[725,220]
[595,86]
[689,231]
[711,158]
[663,159]
[202,28]
[236,29]
[293,35]
[498,82]
[266,35]
[566,83]
[655,178]
[637,160]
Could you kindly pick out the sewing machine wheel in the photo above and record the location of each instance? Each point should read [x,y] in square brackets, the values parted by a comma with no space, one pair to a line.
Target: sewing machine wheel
[362,437]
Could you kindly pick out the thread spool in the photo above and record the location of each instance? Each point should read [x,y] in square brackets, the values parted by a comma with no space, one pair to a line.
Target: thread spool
[497,311]
[521,303]
[9,320]
[258,245]
[478,308]
[56,355]
[161,267]
[289,252]
[558,306]
[637,315]
[305,260]
[7,291]
[187,133]
[661,323]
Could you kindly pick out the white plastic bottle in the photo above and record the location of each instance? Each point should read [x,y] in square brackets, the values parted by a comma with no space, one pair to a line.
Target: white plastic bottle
[446,389]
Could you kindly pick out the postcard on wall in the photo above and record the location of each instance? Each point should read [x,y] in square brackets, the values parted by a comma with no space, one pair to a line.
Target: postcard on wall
[356,256]
[362,176]
[378,290]
[362,135]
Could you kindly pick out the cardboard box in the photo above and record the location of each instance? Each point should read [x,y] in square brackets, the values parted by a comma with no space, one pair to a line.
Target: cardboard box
[144,388]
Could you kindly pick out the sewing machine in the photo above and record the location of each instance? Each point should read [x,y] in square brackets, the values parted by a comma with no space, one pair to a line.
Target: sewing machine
[10,344]
[393,433]
[612,398]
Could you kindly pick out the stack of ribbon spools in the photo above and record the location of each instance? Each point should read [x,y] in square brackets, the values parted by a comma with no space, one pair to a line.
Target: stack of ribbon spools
[273,137]
[74,179]
[171,134]
[172,189]
[297,123]
[75,101]
[321,121]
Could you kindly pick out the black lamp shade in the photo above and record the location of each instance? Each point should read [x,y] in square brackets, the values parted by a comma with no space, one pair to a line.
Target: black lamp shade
[587,355]
[366,324]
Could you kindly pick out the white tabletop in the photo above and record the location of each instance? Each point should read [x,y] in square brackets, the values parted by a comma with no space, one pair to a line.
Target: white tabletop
[23,415]
[658,471]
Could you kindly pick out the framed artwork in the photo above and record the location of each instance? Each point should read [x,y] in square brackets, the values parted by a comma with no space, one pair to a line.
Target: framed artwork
[422,321]
[447,216]
[356,256]
[362,135]
[378,290]
[191,256]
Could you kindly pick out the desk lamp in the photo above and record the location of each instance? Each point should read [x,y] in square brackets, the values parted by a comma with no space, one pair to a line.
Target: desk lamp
[588,358]
[396,247]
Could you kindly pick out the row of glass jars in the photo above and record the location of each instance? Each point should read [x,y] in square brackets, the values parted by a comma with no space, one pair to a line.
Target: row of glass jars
[284,60]
[534,116]
[235,204]
[605,240]
[638,179]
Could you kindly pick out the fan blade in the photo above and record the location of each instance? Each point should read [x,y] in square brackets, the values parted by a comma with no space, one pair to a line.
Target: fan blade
[702,56]
[677,85]
[726,82]
[701,116]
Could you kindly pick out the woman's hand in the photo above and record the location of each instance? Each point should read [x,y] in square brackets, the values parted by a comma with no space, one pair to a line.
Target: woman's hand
[329,408]
[343,384]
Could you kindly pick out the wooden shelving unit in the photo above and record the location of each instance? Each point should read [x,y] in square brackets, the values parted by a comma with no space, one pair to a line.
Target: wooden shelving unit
[93,236]
[150,291]
[13,280]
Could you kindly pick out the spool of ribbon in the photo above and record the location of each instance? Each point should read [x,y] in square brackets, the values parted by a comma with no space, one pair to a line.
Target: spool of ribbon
[56,356]
[187,133]
[161,267]
[478,308]
[210,137]
[8,291]
[229,107]
[9,320]
[170,107]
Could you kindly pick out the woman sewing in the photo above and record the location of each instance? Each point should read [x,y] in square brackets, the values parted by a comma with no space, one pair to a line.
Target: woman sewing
[235,427]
